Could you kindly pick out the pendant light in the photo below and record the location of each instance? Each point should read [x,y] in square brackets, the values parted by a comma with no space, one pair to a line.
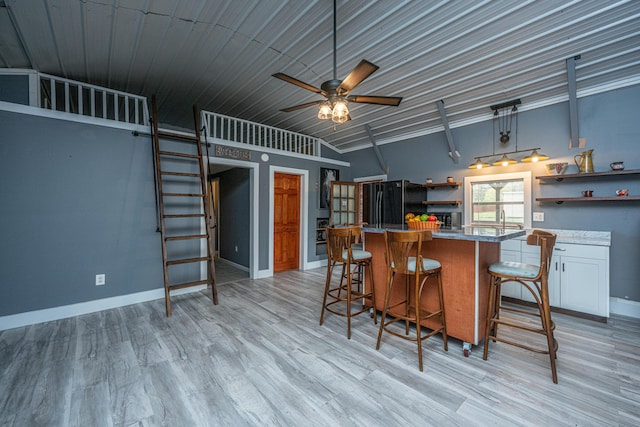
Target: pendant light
[535,157]
[504,161]
[479,164]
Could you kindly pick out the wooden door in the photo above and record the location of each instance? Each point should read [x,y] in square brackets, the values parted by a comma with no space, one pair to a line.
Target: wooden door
[286,222]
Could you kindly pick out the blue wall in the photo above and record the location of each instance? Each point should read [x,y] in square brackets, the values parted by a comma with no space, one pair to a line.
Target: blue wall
[76,200]
[609,121]
[234,215]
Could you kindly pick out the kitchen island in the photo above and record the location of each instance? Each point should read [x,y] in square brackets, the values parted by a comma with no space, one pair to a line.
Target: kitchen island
[465,255]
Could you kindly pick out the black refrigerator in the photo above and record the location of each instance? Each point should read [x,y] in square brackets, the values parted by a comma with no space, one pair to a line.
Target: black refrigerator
[386,203]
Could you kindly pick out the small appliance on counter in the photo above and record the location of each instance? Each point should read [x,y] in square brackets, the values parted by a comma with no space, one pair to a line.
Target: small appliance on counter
[450,220]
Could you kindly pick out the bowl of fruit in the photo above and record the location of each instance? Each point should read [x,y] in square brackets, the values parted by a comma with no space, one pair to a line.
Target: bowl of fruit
[422,221]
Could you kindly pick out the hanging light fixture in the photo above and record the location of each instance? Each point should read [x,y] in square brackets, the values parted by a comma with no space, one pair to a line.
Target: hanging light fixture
[325,111]
[504,161]
[340,113]
[535,157]
[336,110]
[479,164]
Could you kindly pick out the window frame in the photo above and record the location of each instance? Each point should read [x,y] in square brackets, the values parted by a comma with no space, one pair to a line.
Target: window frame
[468,196]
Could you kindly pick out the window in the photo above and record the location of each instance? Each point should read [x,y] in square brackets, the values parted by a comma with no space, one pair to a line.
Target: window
[496,200]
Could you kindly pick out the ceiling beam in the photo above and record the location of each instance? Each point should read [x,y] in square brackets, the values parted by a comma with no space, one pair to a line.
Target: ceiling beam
[453,153]
[574,141]
[376,150]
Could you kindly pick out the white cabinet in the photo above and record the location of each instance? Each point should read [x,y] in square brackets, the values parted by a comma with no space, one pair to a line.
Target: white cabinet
[581,273]
[578,276]
[510,250]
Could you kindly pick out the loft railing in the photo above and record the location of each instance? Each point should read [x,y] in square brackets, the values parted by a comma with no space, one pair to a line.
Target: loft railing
[59,94]
[257,135]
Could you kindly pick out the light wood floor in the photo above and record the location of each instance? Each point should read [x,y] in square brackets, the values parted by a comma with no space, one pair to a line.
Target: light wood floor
[260,358]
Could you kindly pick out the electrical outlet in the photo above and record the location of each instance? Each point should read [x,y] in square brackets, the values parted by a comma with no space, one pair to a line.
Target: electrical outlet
[101,279]
[538,216]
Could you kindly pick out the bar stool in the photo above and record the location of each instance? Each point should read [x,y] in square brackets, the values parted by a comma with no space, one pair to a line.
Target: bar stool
[340,250]
[534,278]
[404,256]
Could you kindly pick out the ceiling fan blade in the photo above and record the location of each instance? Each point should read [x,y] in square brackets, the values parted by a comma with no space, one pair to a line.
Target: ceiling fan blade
[380,100]
[363,70]
[301,106]
[296,82]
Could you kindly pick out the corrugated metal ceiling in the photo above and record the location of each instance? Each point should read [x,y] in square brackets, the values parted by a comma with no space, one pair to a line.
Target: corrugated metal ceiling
[220,55]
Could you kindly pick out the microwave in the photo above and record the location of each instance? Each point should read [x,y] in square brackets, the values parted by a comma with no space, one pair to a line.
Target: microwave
[450,220]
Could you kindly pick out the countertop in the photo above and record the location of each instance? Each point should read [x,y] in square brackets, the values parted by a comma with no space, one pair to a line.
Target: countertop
[480,234]
[580,237]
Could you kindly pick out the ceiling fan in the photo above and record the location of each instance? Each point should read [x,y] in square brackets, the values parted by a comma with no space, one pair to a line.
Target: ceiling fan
[337,92]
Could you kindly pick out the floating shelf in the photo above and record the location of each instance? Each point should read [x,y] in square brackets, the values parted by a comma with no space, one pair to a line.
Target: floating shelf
[587,175]
[443,184]
[442,202]
[560,200]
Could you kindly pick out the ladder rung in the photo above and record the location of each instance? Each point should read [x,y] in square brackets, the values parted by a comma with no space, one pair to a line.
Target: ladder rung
[195,236]
[187,284]
[176,154]
[182,195]
[184,215]
[187,260]
[177,135]
[197,175]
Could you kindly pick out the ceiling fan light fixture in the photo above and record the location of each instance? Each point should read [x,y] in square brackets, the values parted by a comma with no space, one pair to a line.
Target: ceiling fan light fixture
[504,161]
[340,112]
[325,112]
[535,157]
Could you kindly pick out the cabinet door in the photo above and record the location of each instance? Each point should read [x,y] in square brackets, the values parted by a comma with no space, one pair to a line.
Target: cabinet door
[584,285]
[344,202]
[531,255]
[510,289]
[555,299]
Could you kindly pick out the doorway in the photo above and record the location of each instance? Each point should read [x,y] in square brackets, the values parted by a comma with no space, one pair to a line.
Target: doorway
[286,225]
[303,203]
[217,164]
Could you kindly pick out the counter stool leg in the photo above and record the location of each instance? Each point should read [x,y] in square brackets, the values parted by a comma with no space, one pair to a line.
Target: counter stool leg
[372,290]
[387,294]
[326,290]
[491,311]
[407,297]
[417,298]
[443,317]
[348,302]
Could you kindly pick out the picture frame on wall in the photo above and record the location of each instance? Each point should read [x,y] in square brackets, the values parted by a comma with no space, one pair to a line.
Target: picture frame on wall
[321,225]
[326,176]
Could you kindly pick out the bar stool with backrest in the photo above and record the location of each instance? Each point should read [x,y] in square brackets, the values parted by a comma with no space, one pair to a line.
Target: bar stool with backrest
[404,256]
[534,278]
[339,299]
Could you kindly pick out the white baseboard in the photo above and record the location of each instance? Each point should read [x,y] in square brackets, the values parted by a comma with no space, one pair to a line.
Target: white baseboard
[315,264]
[65,311]
[233,264]
[624,307]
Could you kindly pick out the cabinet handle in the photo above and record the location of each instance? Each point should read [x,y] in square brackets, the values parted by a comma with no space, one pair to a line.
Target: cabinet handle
[563,267]
[556,265]
[559,249]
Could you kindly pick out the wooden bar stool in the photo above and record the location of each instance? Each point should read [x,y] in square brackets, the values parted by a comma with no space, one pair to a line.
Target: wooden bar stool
[404,256]
[338,300]
[534,278]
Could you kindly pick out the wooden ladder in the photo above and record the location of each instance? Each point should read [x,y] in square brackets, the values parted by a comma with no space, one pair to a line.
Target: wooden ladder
[186,210]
